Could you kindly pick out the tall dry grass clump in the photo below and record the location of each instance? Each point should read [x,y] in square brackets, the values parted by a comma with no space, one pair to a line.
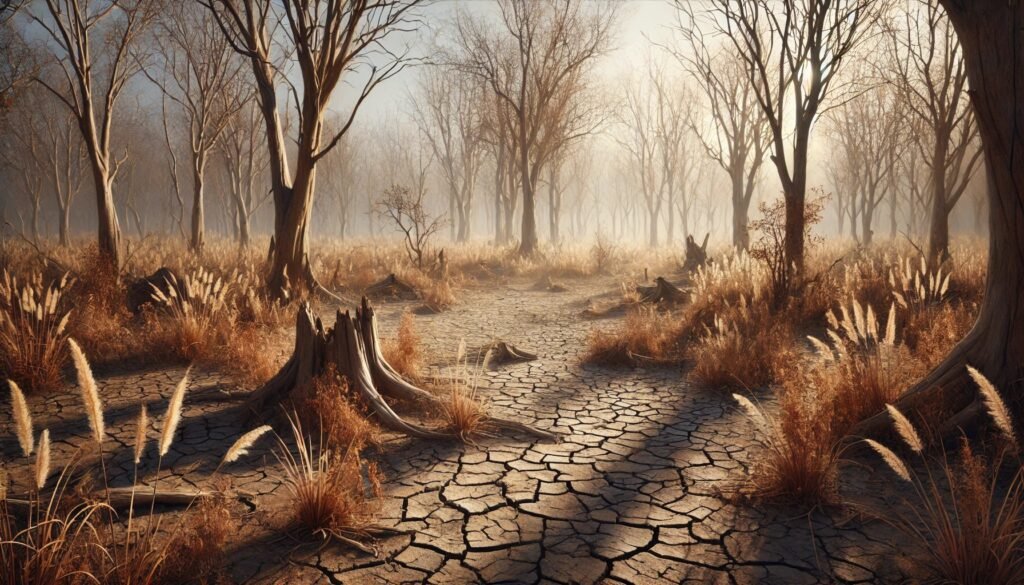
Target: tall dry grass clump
[33,329]
[327,405]
[330,487]
[464,409]
[968,519]
[742,348]
[404,351]
[801,448]
[645,335]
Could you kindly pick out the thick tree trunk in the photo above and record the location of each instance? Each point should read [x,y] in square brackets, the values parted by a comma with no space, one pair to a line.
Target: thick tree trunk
[993,46]
[652,228]
[109,232]
[65,225]
[528,243]
[865,226]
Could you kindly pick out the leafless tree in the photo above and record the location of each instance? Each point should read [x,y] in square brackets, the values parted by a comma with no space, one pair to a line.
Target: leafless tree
[929,69]
[344,175]
[448,108]
[91,43]
[243,149]
[330,42]
[792,54]
[735,132]
[868,131]
[536,60]
[23,153]
[407,210]
[203,79]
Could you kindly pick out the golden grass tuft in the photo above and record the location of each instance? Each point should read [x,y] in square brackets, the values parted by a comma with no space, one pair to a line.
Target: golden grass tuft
[33,323]
[646,334]
[173,415]
[22,419]
[90,394]
[403,352]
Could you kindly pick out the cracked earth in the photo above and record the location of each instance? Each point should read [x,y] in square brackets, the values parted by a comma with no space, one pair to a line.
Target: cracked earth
[636,491]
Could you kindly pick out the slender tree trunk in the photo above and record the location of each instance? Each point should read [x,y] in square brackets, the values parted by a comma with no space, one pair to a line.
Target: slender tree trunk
[109,232]
[865,225]
[65,224]
[653,227]
[938,231]
[993,47]
[198,211]
[740,210]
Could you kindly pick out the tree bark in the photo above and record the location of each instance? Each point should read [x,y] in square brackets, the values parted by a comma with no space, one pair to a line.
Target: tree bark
[990,34]
[198,213]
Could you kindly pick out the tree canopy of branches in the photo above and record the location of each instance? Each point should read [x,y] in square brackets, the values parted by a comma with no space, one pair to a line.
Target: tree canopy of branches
[792,54]
[329,41]
[536,59]
[449,112]
[410,216]
[735,134]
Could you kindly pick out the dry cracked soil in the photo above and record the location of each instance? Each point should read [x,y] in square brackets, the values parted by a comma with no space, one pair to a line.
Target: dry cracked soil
[637,489]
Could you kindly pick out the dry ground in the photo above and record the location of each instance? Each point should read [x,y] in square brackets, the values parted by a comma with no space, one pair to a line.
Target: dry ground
[637,491]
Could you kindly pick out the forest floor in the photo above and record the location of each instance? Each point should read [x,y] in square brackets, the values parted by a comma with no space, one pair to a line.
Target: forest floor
[640,488]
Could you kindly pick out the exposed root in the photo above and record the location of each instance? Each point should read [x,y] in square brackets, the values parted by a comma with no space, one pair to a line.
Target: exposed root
[392,287]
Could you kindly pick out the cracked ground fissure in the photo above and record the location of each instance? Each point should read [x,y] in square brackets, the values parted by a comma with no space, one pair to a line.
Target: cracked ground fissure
[632,493]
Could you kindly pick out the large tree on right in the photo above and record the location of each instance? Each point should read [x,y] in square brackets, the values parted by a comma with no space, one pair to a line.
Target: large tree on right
[991,33]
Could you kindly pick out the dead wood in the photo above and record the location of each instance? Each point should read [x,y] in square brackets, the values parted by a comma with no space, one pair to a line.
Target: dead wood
[352,347]
[663,291]
[392,287]
[122,498]
[696,256]
[502,352]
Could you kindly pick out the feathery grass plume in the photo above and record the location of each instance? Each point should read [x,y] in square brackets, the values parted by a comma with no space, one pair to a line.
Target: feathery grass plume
[43,459]
[173,415]
[905,429]
[752,412]
[241,446]
[891,459]
[858,320]
[22,419]
[872,323]
[90,396]
[141,426]
[994,404]
[822,347]
[890,326]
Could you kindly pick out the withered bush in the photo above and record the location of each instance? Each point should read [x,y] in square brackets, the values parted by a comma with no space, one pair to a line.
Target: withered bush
[403,352]
[33,331]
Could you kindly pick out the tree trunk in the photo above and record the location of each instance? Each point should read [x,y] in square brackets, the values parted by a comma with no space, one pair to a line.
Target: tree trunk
[938,231]
[865,225]
[198,213]
[528,243]
[65,224]
[740,211]
[989,31]
[109,231]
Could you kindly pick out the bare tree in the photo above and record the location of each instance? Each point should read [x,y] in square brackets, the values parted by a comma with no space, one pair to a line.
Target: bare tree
[243,149]
[449,111]
[639,138]
[736,135]
[536,61]
[868,130]
[344,175]
[329,40]
[792,54]
[202,77]
[91,42]
[407,210]
[929,69]
[22,151]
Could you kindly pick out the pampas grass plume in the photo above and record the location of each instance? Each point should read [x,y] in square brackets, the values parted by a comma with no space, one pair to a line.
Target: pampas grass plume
[141,426]
[22,419]
[994,404]
[43,459]
[905,429]
[890,458]
[173,415]
[241,446]
[90,395]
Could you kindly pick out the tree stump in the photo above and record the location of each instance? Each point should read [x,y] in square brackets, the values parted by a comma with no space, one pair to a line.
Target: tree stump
[141,291]
[352,347]
[502,352]
[696,256]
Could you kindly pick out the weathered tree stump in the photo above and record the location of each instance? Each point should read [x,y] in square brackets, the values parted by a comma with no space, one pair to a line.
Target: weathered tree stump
[141,291]
[696,256]
[352,347]
[663,291]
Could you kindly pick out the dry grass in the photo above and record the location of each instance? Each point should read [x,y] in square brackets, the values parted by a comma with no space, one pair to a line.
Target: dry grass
[969,518]
[645,335]
[33,322]
[328,491]
[341,420]
[403,351]
[742,349]
[464,410]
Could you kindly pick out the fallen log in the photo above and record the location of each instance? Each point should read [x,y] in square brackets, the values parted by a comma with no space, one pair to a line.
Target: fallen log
[392,287]
[663,291]
[352,347]
[121,498]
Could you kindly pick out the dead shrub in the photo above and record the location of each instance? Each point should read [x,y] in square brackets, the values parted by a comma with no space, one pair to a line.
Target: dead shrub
[328,406]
